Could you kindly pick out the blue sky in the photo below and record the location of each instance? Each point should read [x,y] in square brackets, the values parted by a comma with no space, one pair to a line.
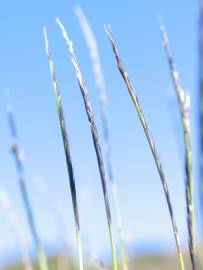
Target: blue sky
[25,72]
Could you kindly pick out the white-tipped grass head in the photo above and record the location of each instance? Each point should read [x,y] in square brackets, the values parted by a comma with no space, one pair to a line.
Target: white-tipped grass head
[163,31]
[65,35]
[69,44]
[91,42]
[187,102]
[93,51]
[107,29]
[46,41]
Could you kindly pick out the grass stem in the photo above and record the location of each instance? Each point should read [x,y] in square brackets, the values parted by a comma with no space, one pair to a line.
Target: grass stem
[99,77]
[17,152]
[95,137]
[66,149]
[151,144]
[183,100]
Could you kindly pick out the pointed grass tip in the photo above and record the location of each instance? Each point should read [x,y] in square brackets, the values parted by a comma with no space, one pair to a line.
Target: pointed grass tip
[107,29]
[163,30]
[46,41]
[78,10]
[65,35]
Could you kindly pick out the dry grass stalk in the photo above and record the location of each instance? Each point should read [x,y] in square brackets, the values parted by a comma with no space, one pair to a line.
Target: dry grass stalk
[95,137]
[151,144]
[99,77]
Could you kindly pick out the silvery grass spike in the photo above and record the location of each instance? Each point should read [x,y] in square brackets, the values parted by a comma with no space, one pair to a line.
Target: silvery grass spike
[99,77]
[151,144]
[18,155]
[183,100]
[66,149]
[5,204]
[95,137]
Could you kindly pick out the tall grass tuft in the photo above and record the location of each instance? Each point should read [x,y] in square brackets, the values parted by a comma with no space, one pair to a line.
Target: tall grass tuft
[99,77]
[95,137]
[183,100]
[151,144]
[17,153]
[6,205]
[66,149]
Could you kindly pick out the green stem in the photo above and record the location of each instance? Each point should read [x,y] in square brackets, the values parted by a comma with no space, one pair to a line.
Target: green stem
[184,107]
[152,147]
[42,259]
[99,78]
[66,150]
[95,137]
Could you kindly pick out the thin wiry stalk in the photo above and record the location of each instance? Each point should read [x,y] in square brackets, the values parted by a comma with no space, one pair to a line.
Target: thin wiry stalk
[151,144]
[17,152]
[184,107]
[5,204]
[201,103]
[66,149]
[99,77]
[95,137]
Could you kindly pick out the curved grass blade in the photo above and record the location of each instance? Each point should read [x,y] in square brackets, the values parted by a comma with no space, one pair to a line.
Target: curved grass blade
[99,77]
[151,144]
[66,149]
[95,137]
[183,100]
[17,153]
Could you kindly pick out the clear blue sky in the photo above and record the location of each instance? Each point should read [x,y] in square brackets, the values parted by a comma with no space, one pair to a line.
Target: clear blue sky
[25,72]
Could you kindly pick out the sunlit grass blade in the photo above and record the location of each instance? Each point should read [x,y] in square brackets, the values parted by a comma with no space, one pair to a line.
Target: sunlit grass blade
[6,205]
[151,144]
[18,156]
[183,100]
[66,149]
[99,77]
[95,137]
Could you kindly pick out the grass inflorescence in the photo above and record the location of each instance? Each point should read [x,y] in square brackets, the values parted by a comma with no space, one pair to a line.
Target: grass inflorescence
[95,137]
[183,100]
[151,144]
[66,149]
[99,77]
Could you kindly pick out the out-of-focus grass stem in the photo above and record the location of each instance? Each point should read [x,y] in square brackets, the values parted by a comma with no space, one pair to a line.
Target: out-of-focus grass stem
[17,153]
